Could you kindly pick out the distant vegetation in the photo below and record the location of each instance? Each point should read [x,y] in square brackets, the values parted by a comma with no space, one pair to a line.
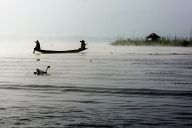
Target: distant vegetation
[164,41]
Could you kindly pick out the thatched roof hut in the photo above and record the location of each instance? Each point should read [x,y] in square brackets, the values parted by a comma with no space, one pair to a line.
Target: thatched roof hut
[152,37]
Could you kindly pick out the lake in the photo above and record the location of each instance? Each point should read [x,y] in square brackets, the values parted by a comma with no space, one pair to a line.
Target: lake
[105,86]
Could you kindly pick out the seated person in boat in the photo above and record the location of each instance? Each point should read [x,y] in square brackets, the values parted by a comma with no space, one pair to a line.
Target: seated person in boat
[83,44]
[37,47]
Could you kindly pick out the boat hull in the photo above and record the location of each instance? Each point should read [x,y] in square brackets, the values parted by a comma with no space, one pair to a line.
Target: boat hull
[57,52]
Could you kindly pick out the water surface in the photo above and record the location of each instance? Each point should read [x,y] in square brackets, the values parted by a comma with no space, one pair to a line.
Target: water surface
[105,86]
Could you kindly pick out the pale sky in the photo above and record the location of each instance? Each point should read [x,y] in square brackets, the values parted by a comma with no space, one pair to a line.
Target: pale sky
[95,18]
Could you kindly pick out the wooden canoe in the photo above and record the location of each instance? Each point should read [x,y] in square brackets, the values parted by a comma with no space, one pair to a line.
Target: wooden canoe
[67,51]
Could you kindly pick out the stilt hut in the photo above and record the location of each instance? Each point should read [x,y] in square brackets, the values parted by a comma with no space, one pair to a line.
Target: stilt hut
[152,37]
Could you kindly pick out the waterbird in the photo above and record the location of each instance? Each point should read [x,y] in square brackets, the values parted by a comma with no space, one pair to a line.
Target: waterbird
[40,72]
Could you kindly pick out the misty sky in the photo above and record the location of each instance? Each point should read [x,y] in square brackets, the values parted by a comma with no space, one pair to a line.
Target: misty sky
[95,18]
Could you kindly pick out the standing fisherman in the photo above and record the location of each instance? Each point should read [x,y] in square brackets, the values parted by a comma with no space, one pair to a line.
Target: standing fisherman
[37,47]
[83,44]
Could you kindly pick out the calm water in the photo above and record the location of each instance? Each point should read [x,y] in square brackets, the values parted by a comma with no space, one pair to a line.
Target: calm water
[105,86]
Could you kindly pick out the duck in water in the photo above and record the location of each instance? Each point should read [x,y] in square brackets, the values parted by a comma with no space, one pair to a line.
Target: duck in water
[40,72]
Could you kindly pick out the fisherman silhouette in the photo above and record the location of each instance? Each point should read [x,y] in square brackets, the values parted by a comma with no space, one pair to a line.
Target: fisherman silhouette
[37,47]
[83,44]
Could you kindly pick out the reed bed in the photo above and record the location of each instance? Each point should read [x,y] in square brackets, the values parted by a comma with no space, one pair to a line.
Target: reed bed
[164,41]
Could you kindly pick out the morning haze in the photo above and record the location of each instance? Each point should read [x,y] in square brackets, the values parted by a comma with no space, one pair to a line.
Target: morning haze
[95,18]
[64,65]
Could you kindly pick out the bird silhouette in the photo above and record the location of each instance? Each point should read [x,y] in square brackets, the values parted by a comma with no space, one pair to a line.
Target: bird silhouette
[40,72]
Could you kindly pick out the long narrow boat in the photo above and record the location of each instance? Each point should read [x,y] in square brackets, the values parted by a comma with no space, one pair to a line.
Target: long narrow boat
[67,51]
